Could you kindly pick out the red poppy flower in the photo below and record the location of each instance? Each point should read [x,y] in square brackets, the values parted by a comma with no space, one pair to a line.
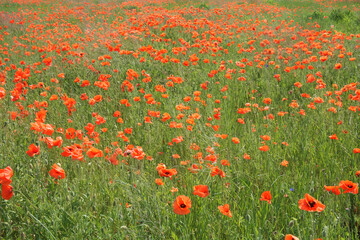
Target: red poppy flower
[334,137]
[267,100]
[137,153]
[47,61]
[337,66]
[6,191]
[2,93]
[167,172]
[225,210]
[284,163]
[182,205]
[57,172]
[266,196]
[159,182]
[217,171]
[174,190]
[93,152]
[310,204]
[265,137]
[349,187]
[70,133]
[290,237]
[264,148]
[334,189]
[5,175]
[33,150]
[201,190]
[164,172]
[225,162]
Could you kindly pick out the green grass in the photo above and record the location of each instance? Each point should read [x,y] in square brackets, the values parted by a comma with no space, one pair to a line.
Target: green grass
[343,15]
[9,7]
[99,200]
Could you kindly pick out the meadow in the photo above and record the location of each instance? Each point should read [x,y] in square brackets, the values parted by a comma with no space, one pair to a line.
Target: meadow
[169,119]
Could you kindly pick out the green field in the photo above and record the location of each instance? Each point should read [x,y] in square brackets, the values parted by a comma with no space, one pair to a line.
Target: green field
[140,102]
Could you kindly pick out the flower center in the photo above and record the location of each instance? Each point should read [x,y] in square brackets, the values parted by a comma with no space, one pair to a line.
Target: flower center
[312,204]
[183,206]
[349,186]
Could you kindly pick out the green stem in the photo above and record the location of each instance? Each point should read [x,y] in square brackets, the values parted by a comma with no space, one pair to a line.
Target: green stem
[352,218]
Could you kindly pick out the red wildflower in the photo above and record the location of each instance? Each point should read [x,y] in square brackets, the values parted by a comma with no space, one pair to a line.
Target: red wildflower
[334,189]
[6,191]
[310,204]
[182,205]
[5,175]
[57,172]
[201,190]
[159,182]
[225,210]
[349,187]
[290,237]
[334,137]
[33,150]
[235,140]
[217,171]
[356,150]
[337,66]
[284,163]
[266,196]
[264,148]
[93,152]
[164,172]
[246,156]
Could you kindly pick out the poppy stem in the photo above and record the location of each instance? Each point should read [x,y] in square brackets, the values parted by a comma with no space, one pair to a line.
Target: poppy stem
[37,220]
[352,218]
[313,224]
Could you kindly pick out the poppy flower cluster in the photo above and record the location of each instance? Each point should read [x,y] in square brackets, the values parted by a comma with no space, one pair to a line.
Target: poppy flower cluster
[165,172]
[214,93]
[182,204]
[347,187]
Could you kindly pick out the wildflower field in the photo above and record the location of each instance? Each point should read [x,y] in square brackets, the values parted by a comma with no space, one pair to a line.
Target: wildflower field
[169,119]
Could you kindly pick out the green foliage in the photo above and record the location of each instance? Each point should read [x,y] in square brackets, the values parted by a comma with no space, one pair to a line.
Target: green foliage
[316,15]
[130,7]
[204,6]
[9,7]
[346,19]
[339,14]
